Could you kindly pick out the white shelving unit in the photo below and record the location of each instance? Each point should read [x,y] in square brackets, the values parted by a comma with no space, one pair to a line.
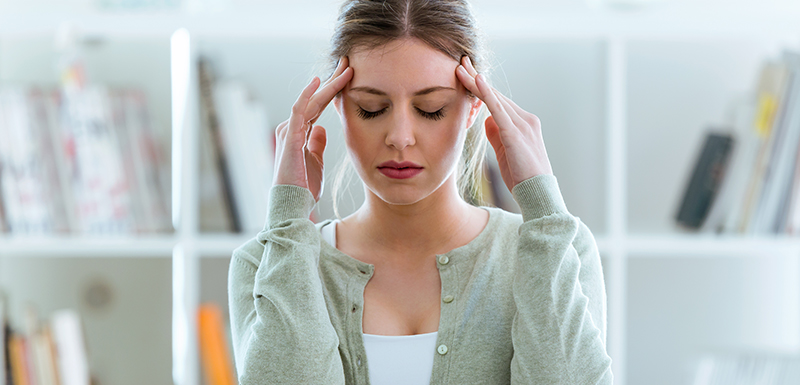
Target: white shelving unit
[623,234]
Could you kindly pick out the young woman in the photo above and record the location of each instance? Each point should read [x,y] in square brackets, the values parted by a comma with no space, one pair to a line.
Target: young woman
[417,286]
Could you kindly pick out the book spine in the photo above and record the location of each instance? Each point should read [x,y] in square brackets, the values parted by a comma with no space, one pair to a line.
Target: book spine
[216,357]
[709,170]
[210,116]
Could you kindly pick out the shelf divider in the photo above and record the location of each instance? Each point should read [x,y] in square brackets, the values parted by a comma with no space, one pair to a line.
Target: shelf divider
[616,57]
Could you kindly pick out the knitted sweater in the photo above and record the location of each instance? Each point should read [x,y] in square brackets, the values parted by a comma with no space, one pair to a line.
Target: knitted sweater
[522,303]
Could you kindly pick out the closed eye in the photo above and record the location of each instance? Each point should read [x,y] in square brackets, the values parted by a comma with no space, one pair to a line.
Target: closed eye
[436,115]
[364,114]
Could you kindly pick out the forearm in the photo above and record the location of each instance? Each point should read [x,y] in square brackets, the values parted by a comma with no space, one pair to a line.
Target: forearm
[556,338]
[281,328]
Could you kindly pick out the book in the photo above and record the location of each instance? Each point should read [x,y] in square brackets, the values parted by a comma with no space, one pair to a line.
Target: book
[725,208]
[771,89]
[709,171]
[769,215]
[219,174]
[29,190]
[247,141]
[214,348]
[139,154]
[792,224]
[40,353]
[18,354]
[70,347]
[747,369]
[5,372]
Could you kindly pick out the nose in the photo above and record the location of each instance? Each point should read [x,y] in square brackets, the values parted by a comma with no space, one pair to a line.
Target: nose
[401,130]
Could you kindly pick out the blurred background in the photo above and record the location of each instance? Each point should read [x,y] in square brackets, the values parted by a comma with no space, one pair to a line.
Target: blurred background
[673,127]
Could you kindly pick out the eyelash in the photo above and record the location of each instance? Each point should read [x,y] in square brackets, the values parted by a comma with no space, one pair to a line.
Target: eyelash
[364,114]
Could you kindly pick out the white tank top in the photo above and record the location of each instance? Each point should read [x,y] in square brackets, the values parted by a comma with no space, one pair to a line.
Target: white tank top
[394,360]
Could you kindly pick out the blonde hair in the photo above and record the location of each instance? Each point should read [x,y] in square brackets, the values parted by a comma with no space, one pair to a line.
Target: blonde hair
[444,25]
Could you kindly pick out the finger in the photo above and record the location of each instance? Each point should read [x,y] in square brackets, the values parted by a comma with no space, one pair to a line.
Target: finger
[467,63]
[493,134]
[468,81]
[344,62]
[512,112]
[317,141]
[494,105]
[521,112]
[297,119]
[323,97]
[280,130]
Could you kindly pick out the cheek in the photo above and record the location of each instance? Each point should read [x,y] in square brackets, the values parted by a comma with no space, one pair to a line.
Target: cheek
[357,141]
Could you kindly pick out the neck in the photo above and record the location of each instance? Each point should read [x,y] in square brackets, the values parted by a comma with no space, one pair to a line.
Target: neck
[429,225]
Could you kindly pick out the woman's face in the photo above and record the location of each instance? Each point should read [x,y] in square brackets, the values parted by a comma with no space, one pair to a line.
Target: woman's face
[405,104]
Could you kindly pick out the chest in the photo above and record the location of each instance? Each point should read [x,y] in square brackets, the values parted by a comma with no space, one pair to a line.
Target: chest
[400,299]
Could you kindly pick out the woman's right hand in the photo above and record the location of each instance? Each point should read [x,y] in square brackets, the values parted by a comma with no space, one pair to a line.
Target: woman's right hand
[300,144]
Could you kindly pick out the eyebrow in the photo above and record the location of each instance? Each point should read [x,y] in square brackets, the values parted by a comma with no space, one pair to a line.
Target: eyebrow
[376,91]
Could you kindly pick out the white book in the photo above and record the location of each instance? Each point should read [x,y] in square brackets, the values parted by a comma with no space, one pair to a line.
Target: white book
[73,363]
[148,155]
[793,210]
[781,166]
[44,115]
[60,149]
[727,207]
[45,357]
[24,190]
[102,193]
[131,164]
[770,93]
[244,131]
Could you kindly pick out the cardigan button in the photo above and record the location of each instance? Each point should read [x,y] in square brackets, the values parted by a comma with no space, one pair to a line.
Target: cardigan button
[442,349]
[444,259]
[448,299]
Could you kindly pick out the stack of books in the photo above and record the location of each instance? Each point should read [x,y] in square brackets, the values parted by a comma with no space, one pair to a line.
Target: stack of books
[45,353]
[237,153]
[746,178]
[81,162]
[748,369]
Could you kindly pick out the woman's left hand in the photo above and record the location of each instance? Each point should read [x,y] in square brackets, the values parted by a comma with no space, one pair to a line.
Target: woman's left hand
[515,134]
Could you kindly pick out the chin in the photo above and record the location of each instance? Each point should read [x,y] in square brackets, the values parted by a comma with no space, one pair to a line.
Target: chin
[404,194]
[400,195]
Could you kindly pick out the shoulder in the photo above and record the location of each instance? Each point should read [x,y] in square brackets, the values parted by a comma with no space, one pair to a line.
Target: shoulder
[504,224]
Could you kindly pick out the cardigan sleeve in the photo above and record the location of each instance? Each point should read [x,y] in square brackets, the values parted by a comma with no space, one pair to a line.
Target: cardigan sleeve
[281,330]
[558,332]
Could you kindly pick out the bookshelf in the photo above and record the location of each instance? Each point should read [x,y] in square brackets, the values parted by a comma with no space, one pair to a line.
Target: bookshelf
[596,91]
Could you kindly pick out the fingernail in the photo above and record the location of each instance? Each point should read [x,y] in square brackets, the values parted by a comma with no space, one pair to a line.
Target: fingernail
[468,60]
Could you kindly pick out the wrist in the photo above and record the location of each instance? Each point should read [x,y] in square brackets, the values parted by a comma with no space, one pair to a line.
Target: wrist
[288,201]
[539,196]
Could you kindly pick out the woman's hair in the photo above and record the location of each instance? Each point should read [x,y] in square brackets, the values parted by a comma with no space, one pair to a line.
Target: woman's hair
[444,25]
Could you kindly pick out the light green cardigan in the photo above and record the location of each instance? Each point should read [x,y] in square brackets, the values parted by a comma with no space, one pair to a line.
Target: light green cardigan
[522,303]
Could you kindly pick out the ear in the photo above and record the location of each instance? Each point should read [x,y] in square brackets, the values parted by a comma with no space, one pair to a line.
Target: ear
[474,107]
[337,104]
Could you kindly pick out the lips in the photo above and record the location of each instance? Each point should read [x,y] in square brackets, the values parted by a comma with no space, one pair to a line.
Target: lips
[402,170]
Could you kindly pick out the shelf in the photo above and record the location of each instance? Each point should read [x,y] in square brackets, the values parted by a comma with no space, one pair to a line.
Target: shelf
[222,245]
[694,245]
[213,245]
[514,20]
[67,246]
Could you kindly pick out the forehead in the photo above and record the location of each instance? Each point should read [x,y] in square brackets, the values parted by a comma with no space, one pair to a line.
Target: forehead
[402,67]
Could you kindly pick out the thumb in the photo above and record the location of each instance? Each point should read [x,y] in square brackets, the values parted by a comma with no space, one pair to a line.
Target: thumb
[493,134]
[317,141]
